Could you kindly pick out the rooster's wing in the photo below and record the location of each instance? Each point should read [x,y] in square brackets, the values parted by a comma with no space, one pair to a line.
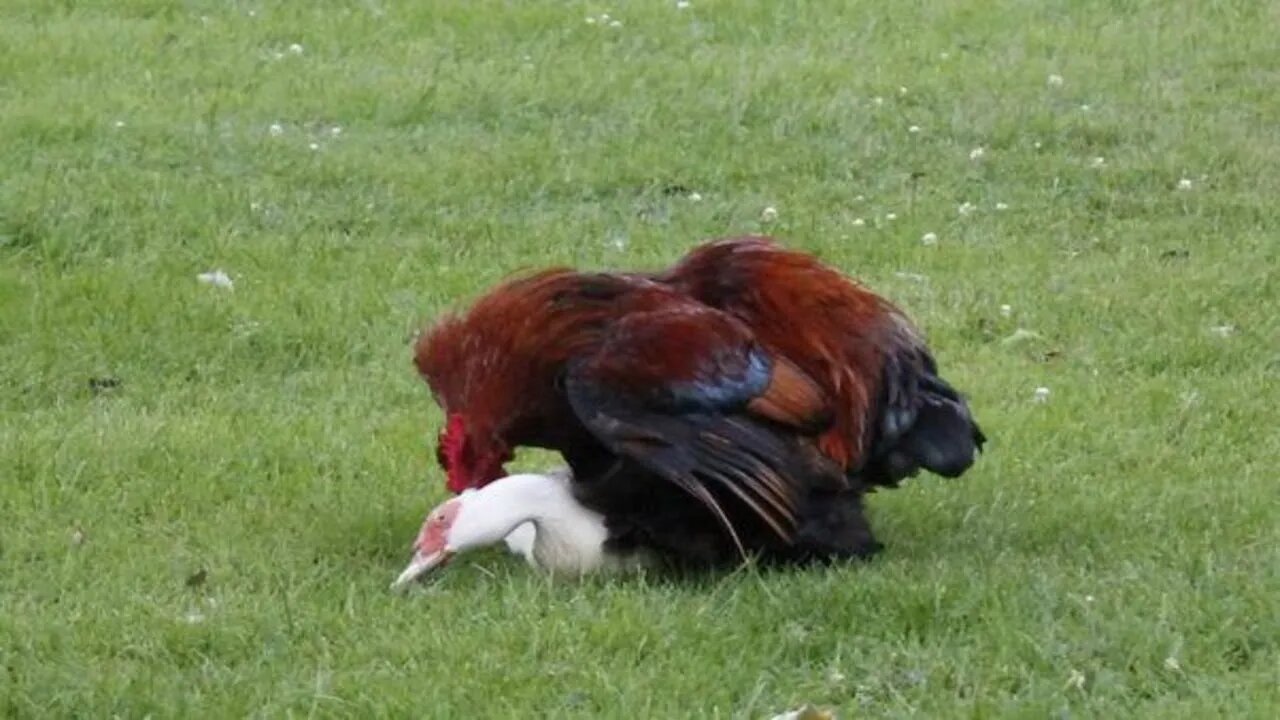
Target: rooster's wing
[686,392]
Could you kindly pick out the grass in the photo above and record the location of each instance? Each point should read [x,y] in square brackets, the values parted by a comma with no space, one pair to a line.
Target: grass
[1116,553]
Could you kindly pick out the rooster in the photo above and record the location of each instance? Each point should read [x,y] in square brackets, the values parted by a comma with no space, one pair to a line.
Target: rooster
[740,402]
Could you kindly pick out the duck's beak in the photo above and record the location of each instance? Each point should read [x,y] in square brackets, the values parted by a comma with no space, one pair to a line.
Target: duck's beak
[420,566]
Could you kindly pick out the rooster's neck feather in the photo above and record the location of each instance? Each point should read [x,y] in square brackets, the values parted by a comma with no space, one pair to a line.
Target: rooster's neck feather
[498,363]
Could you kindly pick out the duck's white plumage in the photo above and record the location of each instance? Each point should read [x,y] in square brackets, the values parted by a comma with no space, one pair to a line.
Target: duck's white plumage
[520,541]
[534,514]
[557,533]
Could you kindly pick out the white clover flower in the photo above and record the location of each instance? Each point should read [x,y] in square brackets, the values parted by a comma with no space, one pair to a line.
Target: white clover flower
[1056,80]
[769,214]
[977,153]
[929,238]
[216,278]
[1076,679]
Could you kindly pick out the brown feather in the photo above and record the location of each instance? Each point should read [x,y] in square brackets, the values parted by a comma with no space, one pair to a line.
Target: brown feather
[792,398]
[764,483]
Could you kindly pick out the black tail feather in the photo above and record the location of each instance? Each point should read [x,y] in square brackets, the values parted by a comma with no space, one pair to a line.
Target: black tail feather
[944,439]
[923,423]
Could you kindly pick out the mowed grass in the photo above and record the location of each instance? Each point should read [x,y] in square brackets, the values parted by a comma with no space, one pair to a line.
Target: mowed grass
[205,492]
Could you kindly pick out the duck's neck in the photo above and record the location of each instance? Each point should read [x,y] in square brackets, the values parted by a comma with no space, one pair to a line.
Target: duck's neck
[513,500]
[567,537]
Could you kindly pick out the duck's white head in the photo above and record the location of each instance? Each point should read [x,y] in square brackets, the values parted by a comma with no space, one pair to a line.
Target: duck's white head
[442,536]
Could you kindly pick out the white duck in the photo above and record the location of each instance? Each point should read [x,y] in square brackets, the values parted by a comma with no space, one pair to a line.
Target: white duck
[535,514]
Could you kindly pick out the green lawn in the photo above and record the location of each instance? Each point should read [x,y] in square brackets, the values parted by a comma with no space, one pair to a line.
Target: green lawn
[358,166]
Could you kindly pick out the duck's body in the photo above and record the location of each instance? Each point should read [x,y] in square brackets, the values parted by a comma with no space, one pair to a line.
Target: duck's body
[537,517]
[562,537]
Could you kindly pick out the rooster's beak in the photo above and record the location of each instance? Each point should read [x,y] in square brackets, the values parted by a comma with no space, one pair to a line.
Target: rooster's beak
[419,566]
